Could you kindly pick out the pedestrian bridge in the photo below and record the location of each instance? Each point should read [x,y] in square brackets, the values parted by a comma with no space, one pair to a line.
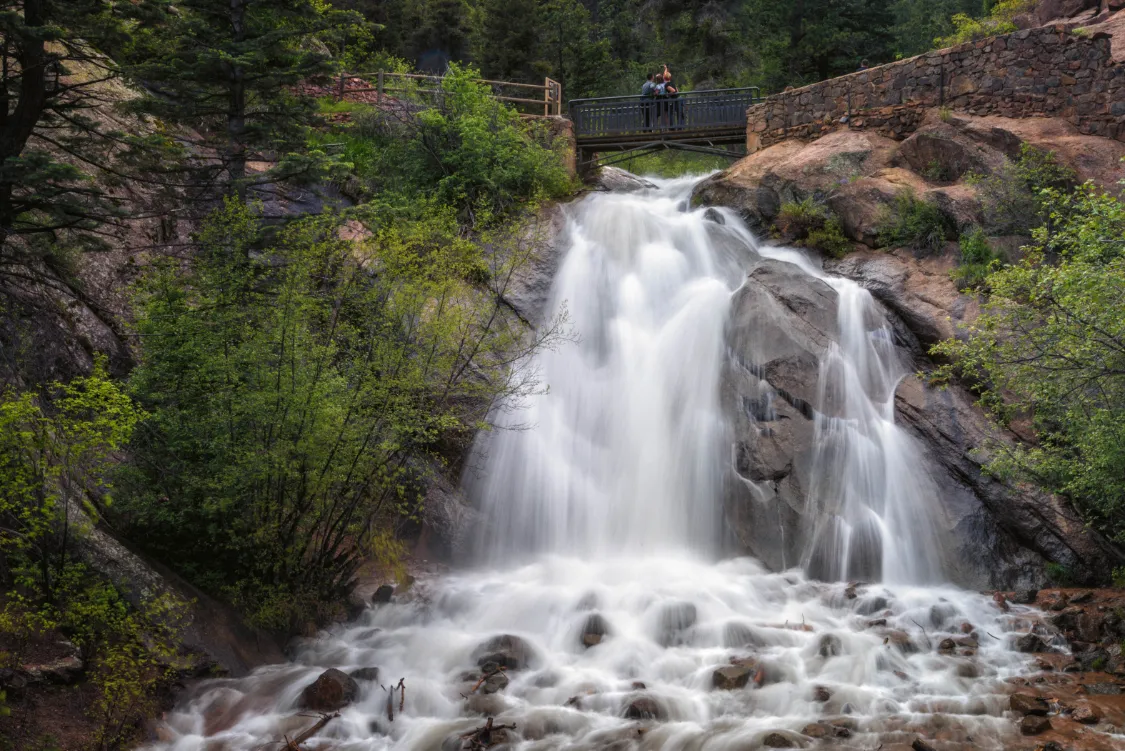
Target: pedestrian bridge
[612,129]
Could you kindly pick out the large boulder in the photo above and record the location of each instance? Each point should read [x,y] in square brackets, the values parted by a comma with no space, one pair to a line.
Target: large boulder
[332,690]
[535,256]
[506,651]
[612,179]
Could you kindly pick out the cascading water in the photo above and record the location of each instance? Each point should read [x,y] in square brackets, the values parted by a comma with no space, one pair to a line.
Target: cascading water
[602,517]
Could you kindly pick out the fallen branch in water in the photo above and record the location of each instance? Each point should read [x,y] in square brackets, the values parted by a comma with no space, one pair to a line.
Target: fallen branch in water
[401,688]
[485,677]
[481,738]
[304,735]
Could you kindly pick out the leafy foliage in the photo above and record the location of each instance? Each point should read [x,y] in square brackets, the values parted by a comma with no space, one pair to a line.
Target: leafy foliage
[51,459]
[913,223]
[830,239]
[1013,198]
[999,20]
[811,224]
[1050,344]
[295,385]
[976,262]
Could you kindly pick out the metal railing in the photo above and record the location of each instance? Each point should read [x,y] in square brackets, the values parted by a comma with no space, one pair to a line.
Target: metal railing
[715,109]
[412,83]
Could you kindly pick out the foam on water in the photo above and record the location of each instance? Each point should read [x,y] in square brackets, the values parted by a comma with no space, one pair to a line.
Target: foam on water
[608,502]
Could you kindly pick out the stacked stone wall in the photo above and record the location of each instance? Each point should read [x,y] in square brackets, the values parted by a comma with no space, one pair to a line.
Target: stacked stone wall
[1048,72]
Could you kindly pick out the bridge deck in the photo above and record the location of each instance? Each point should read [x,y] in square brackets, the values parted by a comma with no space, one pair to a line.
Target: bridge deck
[627,122]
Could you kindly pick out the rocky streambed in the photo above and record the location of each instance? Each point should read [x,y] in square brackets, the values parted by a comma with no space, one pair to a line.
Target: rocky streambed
[678,653]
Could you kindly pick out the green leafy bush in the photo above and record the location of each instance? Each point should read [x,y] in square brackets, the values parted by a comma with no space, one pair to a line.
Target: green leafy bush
[1050,344]
[913,223]
[464,148]
[797,219]
[976,262]
[830,239]
[295,385]
[1013,198]
[1001,20]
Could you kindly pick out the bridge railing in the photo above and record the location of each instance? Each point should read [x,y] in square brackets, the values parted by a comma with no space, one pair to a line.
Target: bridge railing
[714,109]
[548,94]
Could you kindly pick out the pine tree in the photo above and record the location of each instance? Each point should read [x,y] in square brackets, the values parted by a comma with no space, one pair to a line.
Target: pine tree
[506,39]
[229,70]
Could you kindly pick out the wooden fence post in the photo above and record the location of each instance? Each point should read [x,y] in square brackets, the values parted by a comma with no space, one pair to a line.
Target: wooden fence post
[379,85]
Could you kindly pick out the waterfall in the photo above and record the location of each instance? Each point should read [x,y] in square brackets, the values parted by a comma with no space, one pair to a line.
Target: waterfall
[601,588]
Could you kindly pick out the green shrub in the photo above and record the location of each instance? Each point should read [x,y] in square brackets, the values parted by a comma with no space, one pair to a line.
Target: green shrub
[977,260]
[797,219]
[830,239]
[913,223]
[1001,20]
[1014,199]
[1049,345]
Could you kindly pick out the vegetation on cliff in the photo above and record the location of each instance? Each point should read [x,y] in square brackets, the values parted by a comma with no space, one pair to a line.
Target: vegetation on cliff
[1048,354]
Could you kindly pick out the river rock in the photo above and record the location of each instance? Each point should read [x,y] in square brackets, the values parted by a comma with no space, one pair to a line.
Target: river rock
[1029,704]
[365,674]
[617,180]
[1024,596]
[507,651]
[829,646]
[643,708]
[1030,643]
[778,739]
[333,690]
[1034,724]
[494,683]
[383,594]
[871,605]
[737,635]
[731,677]
[901,641]
[594,630]
[674,621]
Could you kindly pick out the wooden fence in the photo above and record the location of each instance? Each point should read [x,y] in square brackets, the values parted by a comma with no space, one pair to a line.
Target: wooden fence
[550,101]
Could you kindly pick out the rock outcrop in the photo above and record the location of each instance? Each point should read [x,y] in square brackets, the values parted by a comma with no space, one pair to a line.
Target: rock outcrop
[783,321]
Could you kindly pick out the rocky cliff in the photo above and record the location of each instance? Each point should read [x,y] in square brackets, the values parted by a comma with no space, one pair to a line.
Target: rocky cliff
[998,535]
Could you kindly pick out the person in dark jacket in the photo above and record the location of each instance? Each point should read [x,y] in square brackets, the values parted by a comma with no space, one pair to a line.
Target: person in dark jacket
[648,92]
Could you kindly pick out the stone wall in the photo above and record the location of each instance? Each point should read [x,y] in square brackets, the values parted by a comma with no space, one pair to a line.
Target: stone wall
[1046,71]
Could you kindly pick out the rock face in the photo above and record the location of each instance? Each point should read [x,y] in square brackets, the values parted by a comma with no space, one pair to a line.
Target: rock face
[619,181]
[783,321]
[333,690]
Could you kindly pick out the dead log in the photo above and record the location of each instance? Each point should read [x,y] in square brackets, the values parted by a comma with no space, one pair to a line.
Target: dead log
[294,744]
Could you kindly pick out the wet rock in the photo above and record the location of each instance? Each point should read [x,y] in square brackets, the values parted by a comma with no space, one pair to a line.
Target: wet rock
[947,645]
[333,690]
[507,651]
[643,708]
[780,740]
[488,705]
[830,646]
[819,730]
[1082,598]
[731,677]
[494,683]
[713,215]
[638,686]
[820,693]
[1087,714]
[1024,596]
[942,613]
[365,674]
[64,670]
[675,619]
[594,630]
[1028,704]
[877,622]
[921,745]
[1104,689]
[1055,601]
[901,641]
[872,605]
[383,594]
[1034,724]
[589,601]
[619,181]
[1030,643]
[967,628]
[968,670]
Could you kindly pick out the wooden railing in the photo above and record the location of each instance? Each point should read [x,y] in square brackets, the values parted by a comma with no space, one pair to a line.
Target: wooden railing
[551,101]
[696,111]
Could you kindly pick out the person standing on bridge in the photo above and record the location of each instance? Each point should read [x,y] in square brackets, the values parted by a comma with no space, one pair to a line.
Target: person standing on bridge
[675,108]
[648,92]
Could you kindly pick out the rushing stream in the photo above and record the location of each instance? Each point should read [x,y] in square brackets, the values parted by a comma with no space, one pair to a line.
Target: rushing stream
[602,555]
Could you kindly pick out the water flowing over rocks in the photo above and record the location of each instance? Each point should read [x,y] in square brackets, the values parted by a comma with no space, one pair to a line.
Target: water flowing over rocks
[725,395]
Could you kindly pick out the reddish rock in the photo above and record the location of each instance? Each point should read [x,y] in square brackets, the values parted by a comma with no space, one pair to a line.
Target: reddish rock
[1034,724]
[333,690]
[1029,705]
[1087,714]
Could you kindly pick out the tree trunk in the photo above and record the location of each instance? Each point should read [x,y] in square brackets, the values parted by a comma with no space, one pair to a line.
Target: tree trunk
[236,115]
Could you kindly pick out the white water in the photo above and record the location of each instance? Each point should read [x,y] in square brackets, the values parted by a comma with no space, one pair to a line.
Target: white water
[610,503]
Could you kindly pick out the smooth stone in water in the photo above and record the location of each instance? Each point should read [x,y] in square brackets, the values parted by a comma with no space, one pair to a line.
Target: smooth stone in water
[731,677]
[507,651]
[365,674]
[1028,704]
[1034,724]
[594,630]
[675,619]
[643,708]
[333,690]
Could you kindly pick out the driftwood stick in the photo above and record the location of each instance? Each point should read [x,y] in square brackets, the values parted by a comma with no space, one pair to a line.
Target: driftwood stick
[304,735]
[402,694]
